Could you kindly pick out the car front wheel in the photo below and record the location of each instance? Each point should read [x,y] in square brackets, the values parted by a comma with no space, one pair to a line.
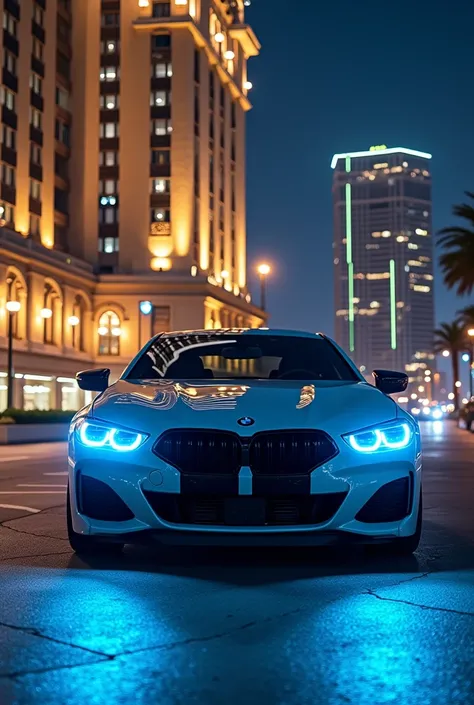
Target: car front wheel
[88,545]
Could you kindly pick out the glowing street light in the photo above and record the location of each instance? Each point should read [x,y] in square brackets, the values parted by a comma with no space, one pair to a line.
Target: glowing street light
[445,353]
[74,321]
[470,333]
[263,270]
[46,313]
[13,307]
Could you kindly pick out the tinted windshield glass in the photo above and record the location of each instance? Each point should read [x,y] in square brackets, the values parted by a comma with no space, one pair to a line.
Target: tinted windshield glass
[242,356]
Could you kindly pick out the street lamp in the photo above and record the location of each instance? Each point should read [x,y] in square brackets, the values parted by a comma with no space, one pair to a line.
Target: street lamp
[470,333]
[144,309]
[445,353]
[12,307]
[263,271]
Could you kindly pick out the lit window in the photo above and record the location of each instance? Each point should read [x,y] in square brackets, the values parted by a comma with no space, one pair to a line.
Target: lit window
[62,98]
[160,215]
[109,102]
[109,73]
[9,62]
[8,175]
[160,98]
[36,83]
[421,288]
[38,49]
[160,156]
[162,70]
[160,186]
[108,216]
[110,47]
[378,275]
[412,246]
[110,244]
[109,187]
[109,333]
[415,263]
[108,158]
[35,189]
[7,98]
[161,127]
[420,231]
[38,15]
[36,118]
[9,137]
[9,23]
[109,130]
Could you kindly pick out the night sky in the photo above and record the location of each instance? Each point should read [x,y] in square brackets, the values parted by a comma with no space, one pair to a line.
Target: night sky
[342,76]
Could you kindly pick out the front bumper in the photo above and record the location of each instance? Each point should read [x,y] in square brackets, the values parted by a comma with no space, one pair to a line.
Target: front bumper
[355,476]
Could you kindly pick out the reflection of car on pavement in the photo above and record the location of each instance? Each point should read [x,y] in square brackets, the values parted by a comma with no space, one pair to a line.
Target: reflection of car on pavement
[243,437]
[466,415]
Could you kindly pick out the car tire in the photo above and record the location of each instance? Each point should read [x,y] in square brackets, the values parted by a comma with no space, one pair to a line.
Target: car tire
[87,546]
[406,545]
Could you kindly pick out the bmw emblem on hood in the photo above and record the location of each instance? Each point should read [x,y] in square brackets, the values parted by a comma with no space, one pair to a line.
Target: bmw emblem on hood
[246,421]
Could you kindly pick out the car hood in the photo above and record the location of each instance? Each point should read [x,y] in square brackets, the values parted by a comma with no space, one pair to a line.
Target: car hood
[150,407]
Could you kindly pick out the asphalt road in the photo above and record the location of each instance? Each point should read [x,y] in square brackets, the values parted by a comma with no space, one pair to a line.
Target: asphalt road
[230,627]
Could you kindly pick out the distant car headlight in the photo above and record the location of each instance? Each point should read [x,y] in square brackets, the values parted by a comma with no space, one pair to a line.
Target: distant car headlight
[437,414]
[95,434]
[391,436]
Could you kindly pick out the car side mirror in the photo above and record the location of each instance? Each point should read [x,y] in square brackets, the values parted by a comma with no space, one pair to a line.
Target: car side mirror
[390,382]
[93,380]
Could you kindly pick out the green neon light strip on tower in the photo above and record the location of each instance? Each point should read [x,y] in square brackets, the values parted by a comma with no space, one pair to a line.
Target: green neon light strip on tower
[350,265]
[393,306]
[350,276]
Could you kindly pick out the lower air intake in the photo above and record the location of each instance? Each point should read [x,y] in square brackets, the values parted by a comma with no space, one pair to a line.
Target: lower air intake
[99,501]
[212,510]
[392,502]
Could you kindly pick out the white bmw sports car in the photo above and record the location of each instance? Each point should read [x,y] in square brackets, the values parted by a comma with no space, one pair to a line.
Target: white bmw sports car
[243,437]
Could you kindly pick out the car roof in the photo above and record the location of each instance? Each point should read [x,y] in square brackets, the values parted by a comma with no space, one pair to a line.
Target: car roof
[240,331]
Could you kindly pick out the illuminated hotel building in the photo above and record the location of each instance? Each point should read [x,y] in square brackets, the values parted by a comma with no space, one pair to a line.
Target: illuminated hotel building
[383,259]
[122,180]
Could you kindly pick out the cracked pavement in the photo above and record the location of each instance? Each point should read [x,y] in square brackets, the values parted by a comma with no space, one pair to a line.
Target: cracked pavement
[225,626]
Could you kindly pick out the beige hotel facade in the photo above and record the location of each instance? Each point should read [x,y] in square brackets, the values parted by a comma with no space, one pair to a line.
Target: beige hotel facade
[122,181]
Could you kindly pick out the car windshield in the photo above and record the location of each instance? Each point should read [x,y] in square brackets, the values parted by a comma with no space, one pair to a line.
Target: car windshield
[242,356]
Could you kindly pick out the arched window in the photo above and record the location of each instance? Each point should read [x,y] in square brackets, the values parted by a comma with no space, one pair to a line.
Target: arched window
[77,321]
[16,291]
[51,313]
[109,333]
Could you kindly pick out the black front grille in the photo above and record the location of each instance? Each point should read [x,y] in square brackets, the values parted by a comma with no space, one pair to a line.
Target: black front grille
[392,502]
[200,451]
[290,452]
[272,453]
[211,510]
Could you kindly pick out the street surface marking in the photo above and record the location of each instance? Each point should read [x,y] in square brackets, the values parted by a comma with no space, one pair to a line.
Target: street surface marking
[12,458]
[34,492]
[18,506]
[41,485]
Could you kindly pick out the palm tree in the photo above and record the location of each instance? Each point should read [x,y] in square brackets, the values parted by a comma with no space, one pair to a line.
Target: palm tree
[466,316]
[451,337]
[457,261]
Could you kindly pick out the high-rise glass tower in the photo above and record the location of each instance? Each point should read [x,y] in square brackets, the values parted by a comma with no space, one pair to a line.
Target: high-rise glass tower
[383,258]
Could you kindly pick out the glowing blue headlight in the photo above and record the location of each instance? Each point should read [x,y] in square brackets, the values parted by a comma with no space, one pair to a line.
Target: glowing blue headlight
[392,436]
[98,435]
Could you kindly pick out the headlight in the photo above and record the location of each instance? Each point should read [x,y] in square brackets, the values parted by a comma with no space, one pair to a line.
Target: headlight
[391,436]
[99,435]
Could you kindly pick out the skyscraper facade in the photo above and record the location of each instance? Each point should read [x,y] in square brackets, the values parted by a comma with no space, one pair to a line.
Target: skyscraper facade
[383,259]
[122,179]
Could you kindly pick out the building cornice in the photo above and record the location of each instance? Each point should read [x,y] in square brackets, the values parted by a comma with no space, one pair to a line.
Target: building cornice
[186,22]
